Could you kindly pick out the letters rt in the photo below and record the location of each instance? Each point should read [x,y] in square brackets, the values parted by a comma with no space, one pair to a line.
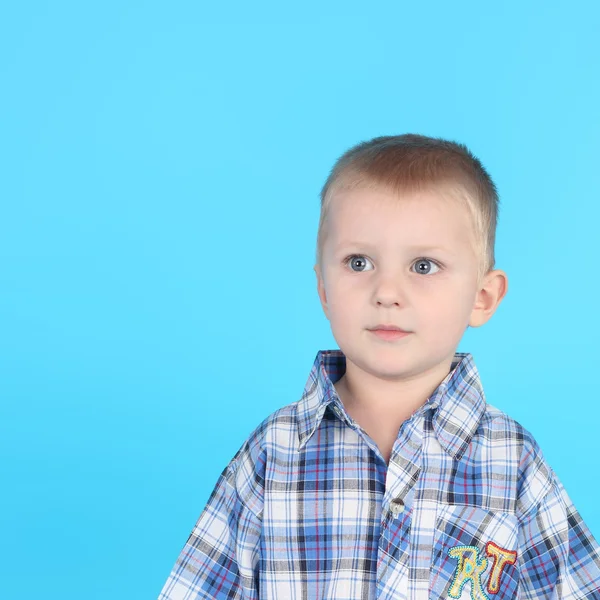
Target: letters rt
[471,567]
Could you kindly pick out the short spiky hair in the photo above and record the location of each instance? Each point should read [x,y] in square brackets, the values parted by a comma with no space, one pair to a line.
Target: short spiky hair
[410,163]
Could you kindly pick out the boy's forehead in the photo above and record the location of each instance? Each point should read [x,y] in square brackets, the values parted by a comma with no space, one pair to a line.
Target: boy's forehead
[427,221]
[371,196]
[449,248]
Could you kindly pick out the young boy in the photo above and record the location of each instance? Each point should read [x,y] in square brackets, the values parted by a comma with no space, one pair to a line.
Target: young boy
[391,477]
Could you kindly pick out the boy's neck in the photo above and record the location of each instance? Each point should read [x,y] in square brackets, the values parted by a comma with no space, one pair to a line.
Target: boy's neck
[366,396]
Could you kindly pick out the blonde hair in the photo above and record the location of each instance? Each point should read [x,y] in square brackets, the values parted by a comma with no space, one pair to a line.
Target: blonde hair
[412,163]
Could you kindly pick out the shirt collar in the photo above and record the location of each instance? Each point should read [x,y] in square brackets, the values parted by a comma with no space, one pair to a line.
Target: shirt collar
[458,403]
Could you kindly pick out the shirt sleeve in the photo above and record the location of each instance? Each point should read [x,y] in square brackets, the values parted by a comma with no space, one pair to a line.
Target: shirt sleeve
[559,556]
[220,558]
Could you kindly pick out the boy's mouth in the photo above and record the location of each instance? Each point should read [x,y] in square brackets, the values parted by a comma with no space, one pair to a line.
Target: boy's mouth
[388,328]
[390,334]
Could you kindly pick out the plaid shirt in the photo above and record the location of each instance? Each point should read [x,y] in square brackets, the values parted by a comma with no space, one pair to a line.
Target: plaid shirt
[467,508]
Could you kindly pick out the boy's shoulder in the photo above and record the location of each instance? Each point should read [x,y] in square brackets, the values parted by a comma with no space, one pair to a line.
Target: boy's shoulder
[276,428]
[246,469]
[495,421]
[534,475]
[498,425]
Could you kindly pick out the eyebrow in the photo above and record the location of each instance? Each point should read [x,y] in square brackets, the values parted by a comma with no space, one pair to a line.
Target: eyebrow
[423,248]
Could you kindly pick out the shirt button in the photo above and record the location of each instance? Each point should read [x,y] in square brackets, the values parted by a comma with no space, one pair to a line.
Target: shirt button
[396,506]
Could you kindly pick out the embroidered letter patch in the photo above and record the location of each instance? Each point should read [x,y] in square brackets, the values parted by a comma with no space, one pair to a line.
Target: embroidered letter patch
[501,558]
[470,567]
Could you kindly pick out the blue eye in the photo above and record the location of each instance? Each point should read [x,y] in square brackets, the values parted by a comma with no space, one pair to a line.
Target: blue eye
[426,271]
[358,259]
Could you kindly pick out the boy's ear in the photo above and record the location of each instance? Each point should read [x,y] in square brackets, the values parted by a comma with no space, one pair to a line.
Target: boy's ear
[492,290]
[321,290]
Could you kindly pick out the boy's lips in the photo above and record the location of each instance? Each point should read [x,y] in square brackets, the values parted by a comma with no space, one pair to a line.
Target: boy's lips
[388,328]
[390,334]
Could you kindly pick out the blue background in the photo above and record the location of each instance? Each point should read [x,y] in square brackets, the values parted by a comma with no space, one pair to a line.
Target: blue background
[161,164]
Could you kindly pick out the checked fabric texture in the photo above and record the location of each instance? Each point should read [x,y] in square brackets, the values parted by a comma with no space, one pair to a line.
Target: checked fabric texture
[467,508]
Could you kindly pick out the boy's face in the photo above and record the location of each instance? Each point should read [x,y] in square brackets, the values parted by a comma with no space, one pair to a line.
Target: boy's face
[393,279]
